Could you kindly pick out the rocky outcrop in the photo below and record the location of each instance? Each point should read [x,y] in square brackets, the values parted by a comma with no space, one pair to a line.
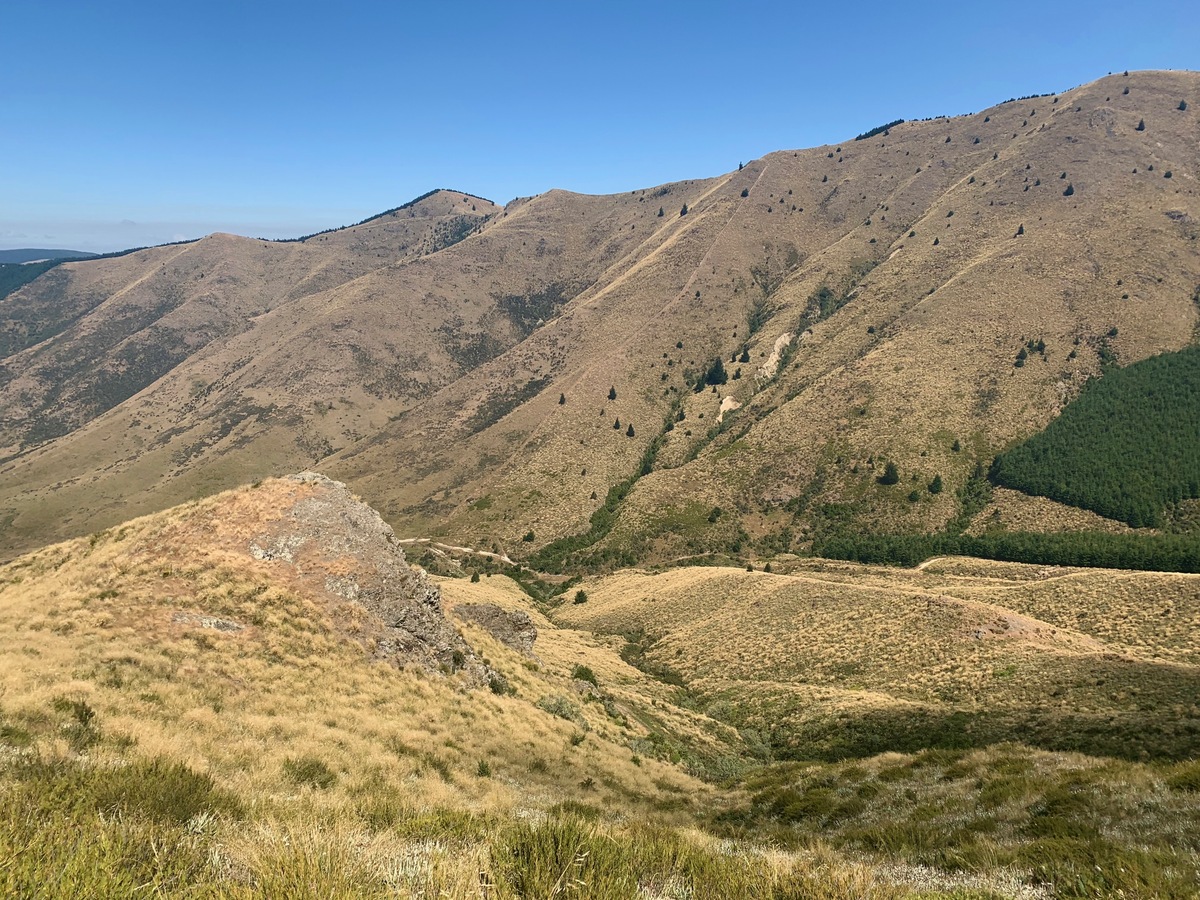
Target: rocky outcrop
[339,546]
[512,628]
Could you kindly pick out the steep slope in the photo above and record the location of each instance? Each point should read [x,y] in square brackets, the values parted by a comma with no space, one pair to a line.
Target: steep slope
[279,623]
[899,293]
[314,372]
[84,338]
[879,293]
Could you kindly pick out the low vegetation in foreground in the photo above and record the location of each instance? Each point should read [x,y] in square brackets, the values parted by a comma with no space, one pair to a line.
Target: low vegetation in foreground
[185,716]
[971,825]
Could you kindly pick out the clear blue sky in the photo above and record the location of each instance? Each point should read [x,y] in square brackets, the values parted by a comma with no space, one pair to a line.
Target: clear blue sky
[127,123]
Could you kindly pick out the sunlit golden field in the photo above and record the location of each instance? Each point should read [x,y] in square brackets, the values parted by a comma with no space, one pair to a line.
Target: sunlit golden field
[180,717]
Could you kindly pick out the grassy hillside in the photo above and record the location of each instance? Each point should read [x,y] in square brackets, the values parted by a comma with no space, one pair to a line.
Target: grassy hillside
[868,301]
[185,716]
[1125,448]
[897,351]
[89,336]
[834,661]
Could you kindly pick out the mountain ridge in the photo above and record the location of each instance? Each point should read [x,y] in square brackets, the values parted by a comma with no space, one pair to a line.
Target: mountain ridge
[569,294]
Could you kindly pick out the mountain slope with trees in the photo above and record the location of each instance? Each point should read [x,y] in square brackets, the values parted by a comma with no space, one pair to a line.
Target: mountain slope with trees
[871,304]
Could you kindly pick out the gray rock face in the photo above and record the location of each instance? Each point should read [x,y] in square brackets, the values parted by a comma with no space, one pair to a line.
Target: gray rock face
[340,546]
[513,629]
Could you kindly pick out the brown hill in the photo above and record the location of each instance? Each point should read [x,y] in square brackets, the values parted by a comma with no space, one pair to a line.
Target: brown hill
[878,289]
[279,622]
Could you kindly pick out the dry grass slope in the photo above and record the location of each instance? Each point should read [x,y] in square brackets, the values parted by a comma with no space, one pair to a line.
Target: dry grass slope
[180,716]
[888,272]
[852,660]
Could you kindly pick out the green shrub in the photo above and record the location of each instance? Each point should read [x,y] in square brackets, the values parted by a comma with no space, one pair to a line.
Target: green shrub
[81,731]
[583,673]
[1185,777]
[558,705]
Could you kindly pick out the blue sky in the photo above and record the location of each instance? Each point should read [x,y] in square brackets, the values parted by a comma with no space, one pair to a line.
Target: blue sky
[128,123]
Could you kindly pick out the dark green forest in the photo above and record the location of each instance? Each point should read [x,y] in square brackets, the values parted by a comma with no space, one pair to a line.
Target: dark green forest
[16,275]
[1126,448]
[1151,552]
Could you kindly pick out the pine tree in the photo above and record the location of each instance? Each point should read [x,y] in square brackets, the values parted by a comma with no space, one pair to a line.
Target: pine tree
[562,398]
[660,212]
[891,474]
[935,486]
[612,393]
[629,430]
[716,373]
[684,210]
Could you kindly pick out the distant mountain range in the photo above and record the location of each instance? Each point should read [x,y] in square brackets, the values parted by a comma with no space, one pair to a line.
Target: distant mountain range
[824,341]
[25,255]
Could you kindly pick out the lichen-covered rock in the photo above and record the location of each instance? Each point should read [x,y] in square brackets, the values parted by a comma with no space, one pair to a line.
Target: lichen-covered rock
[512,628]
[339,546]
